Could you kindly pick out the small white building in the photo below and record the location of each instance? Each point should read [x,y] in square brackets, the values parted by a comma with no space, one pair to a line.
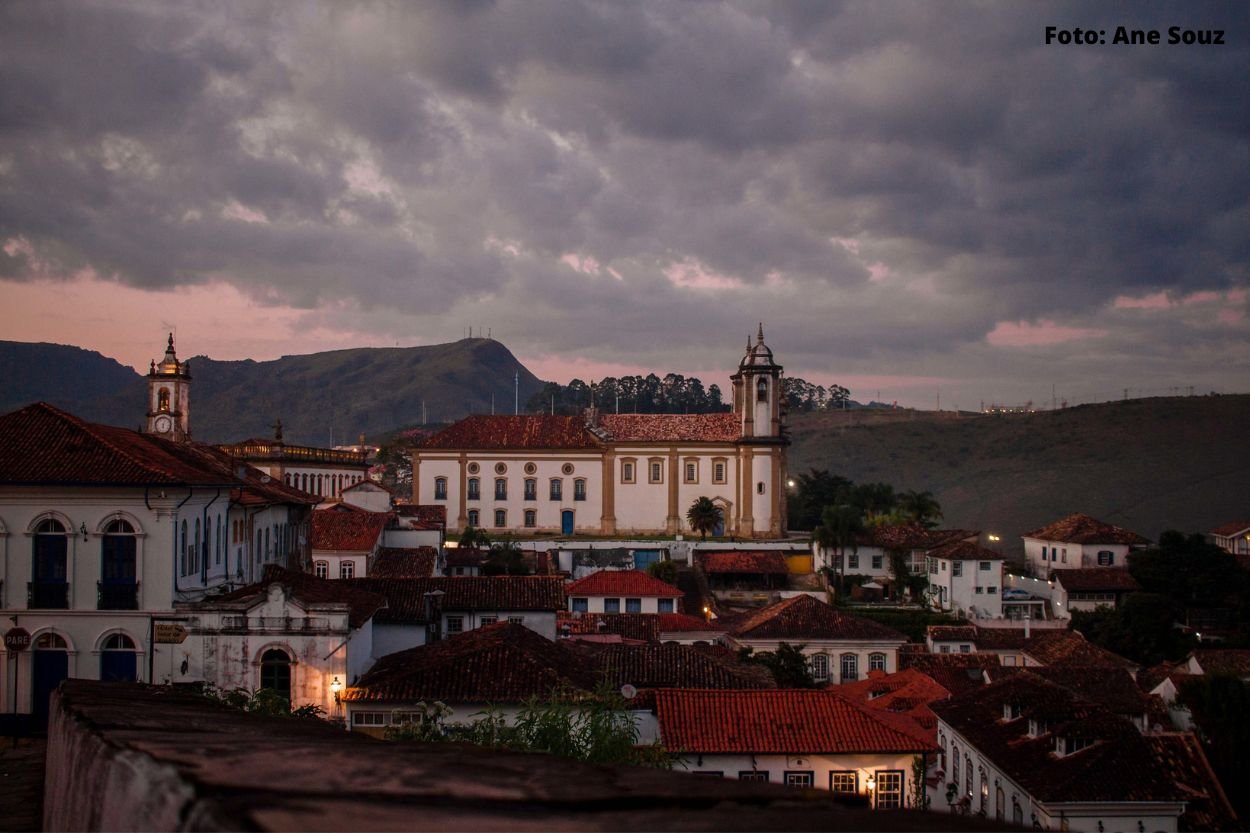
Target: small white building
[873,555]
[1089,589]
[622,591]
[345,540]
[800,738]
[1232,537]
[1079,542]
[839,647]
[966,580]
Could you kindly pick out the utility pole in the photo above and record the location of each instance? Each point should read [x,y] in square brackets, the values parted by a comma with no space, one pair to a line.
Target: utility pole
[516,393]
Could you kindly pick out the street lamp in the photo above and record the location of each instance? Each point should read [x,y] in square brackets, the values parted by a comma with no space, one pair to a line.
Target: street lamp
[336,688]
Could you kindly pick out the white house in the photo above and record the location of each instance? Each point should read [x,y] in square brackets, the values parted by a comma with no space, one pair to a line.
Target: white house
[872,556]
[345,540]
[303,637]
[606,474]
[966,580]
[325,472]
[1078,542]
[1089,589]
[1033,753]
[1232,537]
[839,647]
[799,738]
[367,495]
[103,529]
[622,591]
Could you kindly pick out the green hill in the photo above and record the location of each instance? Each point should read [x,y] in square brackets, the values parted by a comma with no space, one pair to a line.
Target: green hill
[319,397]
[1145,464]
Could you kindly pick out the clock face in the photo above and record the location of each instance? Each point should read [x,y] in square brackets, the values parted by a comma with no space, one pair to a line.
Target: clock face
[162,424]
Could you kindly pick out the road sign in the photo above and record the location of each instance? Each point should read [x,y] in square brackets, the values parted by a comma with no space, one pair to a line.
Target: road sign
[16,639]
[169,634]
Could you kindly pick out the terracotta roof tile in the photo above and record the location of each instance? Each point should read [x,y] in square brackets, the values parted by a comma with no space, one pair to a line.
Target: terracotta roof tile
[673,666]
[1119,766]
[406,596]
[952,633]
[913,536]
[907,692]
[1082,529]
[622,583]
[1232,528]
[1207,806]
[644,627]
[465,557]
[1069,648]
[501,663]
[964,551]
[803,618]
[404,562]
[538,432]
[719,428]
[1233,661]
[432,516]
[1095,578]
[770,562]
[957,673]
[784,721]
[344,531]
[685,623]
[1113,688]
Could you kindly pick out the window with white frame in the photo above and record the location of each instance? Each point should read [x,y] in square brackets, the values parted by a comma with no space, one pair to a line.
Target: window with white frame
[876,661]
[799,779]
[321,569]
[889,794]
[844,782]
[579,488]
[753,775]
[516,620]
[820,667]
[475,489]
[850,667]
[984,566]
[474,518]
[347,569]
[455,624]
[957,568]
[368,718]
[440,488]
[531,488]
[501,488]
[557,488]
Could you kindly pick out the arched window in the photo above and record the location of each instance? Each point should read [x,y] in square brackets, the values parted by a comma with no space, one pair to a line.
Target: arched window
[118,579]
[49,546]
[117,659]
[954,764]
[531,518]
[850,668]
[475,489]
[474,518]
[320,485]
[162,403]
[440,488]
[579,489]
[195,553]
[820,667]
[501,517]
[275,672]
[876,662]
[51,642]
[347,569]
[501,488]
[761,390]
[304,480]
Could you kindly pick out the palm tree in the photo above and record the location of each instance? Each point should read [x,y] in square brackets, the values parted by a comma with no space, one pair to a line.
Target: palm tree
[704,516]
[840,527]
[921,507]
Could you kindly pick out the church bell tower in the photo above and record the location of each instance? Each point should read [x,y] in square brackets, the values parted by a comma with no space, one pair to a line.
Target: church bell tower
[169,397]
[757,392]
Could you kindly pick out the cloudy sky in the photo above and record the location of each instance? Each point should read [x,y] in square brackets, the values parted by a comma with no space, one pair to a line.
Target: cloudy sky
[915,198]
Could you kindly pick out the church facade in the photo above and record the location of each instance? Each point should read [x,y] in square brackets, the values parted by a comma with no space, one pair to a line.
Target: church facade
[616,474]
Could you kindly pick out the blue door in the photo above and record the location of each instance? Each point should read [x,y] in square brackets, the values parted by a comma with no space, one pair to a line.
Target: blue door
[117,666]
[566,522]
[48,669]
[718,531]
[645,558]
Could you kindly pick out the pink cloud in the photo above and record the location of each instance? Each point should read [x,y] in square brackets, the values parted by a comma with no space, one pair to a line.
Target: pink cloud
[692,274]
[1158,300]
[1042,334]
[585,264]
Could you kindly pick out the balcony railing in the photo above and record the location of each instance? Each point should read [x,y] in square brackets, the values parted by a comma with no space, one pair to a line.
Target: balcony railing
[287,624]
[47,595]
[117,596]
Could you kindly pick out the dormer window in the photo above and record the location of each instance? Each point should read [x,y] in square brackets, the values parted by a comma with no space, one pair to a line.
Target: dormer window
[1011,711]
[1070,744]
[1037,727]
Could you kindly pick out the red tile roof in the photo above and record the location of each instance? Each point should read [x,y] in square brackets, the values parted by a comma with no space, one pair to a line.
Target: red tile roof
[786,721]
[537,432]
[1113,688]
[803,618]
[673,666]
[1096,578]
[907,692]
[958,673]
[501,663]
[1232,528]
[1119,766]
[952,633]
[405,562]
[965,551]
[1234,661]
[913,536]
[685,623]
[406,596]
[430,515]
[768,562]
[1207,806]
[622,583]
[718,428]
[644,627]
[306,588]
[1069,648]
[1082,529]
[342,531]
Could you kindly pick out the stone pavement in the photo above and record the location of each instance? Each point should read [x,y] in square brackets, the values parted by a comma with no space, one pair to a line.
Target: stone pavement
[21,783]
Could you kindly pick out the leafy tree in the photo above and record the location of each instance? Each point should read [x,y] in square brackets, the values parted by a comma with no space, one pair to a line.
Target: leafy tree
[813,491]
[264,701]
[474,538]
[789,666]
[665,571]
[1140,629]
[874,499]
[704,516]
[840,528]
[505,559]
[920,507]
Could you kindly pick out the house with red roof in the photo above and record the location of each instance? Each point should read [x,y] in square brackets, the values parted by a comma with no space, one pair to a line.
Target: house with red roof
[345,540]
[1035,753]
[619,473]
[1089,589]
[103,529]
[622,591]
[839,647]
[689,629]
[1232,537]
[1079,542]
[797,737]
[873,554]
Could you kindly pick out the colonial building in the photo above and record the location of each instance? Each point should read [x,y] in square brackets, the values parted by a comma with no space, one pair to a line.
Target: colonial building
[1079,542]
[609,474]
[325,472]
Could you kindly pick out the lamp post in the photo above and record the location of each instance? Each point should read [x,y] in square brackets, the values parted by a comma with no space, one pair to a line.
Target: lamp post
[871,784]
[336,688]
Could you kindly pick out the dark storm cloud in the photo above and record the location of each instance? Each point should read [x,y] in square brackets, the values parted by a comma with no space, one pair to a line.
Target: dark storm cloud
[886,181]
